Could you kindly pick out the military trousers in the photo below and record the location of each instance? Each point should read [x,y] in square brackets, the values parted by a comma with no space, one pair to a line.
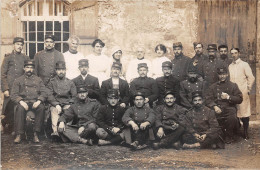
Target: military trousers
[114,138]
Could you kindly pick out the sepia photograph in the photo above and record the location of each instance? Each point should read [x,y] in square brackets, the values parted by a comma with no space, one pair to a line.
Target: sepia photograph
[130,84]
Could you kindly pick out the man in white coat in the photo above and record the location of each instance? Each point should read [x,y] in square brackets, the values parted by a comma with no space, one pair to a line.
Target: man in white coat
[241,74]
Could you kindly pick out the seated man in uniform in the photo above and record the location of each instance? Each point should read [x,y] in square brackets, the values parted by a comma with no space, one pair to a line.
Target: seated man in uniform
[29,93]
[87,80]
[115,82]
[202,128]
[63,93]
[145,84]
[109,120]
[222,97]
[139,119]
[84,110]
[167,125]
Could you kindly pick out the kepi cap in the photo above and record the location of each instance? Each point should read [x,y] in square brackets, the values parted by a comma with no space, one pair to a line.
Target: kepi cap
[82,89]
[167,64]
[29,62]
[212,47]
[177,44]
[117,65]
[83,62]
[112,93]
[50,36]
[222,70]
[142,65]
[196,94]
[18,39]
[60,65]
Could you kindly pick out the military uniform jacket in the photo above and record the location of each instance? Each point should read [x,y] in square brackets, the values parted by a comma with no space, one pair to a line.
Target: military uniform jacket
[84,112]
[213,95]
[123,91]
[12,68]
[186,89]
[165,84]
[91,83]
[165,115]
[28,89]
[180,66]
[139,115]
[110,116]
[45,62]
[147,86]
[198,62]
[201,121]
[209,71]
[64,91]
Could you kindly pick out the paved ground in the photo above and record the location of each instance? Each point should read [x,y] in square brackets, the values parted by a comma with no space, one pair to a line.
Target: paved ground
[242,154]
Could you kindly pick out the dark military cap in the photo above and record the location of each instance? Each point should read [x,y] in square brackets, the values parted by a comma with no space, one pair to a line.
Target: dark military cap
[169,92]
[29,62]
[50,36]
[138,93]
[60,65]
[212,47]
[112,93]
[192,69]
[177,44]
[196,94]
[82,89]
[167,64]
[83,62]
[18,39]
[117,65]
[142,65]
[222,70]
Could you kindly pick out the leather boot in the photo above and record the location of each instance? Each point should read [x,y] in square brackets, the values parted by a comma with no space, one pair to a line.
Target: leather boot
[17,139]
[35,138]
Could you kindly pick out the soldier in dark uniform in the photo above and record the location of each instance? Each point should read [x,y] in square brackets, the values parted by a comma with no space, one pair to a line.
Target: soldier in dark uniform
[167,83]
[139,119]
[202,128]
[115,82]
[84,110]
[192,84]
[12,68]
[168,128]
[145,84]
[223,51]
[199,58]
[46,59]
[29,93]
[222,97]
[63,93]
[210,66]
[180,62]
[89,81]
[109,120]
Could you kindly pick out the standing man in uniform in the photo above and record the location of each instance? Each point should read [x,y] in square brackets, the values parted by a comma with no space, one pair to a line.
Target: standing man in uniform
[168,126]
[63,93]
[29,93]
[12,68]
[223,51]
[241,74]
[167,83]
[109,119]
[223,97]
[89,81]
[115,82]
[46,60]
[180,62]
[144,84]
[209,71]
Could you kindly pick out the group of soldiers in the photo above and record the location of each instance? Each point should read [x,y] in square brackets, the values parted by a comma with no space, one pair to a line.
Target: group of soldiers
[187,102]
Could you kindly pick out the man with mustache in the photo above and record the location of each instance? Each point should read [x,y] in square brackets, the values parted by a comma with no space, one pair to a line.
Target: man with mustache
[83,112]
[168,128]
[192,84]
[144,84]
[115,82]
[223,97]
[89,81]
[29,93]
[202,128]
[180,62]
[167,83]
[63,93]
[223,51]
[109,119]
[46,59]
[12,68]
[209,70]
[139,120]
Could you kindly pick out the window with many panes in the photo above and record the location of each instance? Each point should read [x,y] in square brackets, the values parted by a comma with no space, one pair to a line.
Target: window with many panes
[41,17]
